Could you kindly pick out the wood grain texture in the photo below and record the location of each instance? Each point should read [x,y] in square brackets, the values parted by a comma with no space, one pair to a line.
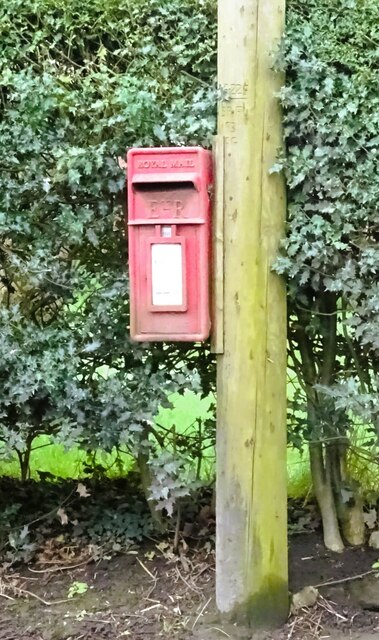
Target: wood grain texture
[217,336]
[251,547]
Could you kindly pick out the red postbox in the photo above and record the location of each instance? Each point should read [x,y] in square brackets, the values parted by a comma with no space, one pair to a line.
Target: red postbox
[169,243]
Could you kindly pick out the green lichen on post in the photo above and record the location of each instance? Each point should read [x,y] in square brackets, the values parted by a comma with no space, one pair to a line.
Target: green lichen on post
[266,609]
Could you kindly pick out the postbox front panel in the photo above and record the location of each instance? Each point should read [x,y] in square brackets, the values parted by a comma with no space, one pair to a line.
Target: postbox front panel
[169,243]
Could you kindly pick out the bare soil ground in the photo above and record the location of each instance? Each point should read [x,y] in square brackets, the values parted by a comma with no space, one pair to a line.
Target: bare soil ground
[149,593]
[68,570]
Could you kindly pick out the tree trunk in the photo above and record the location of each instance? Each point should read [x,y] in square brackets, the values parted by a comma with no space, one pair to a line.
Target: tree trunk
[322,484]
[24,460]
[349,507]
[146,481]
[143,466]
[352,523]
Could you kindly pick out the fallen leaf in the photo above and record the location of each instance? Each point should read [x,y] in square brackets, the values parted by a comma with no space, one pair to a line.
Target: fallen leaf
[305,598]
[82,490]
[370,518]
[62,515]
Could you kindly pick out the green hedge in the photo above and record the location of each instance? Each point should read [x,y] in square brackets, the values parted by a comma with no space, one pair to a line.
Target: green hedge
[80,82]
[331,118]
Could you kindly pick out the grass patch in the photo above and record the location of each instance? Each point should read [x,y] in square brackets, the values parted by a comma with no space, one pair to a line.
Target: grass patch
[51,458]
[54,459]
[298,473]
[185,411]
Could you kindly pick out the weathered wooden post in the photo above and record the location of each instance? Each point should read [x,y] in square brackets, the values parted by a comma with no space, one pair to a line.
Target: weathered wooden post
[251,550]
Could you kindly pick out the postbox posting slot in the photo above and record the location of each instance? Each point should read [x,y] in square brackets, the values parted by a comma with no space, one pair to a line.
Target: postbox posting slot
[163,186]
[165,181]
[166,199]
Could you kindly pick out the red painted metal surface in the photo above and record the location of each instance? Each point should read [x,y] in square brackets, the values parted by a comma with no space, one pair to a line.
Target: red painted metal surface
[169,243]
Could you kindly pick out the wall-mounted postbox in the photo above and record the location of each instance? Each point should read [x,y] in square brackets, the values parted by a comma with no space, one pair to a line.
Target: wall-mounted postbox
[169,243]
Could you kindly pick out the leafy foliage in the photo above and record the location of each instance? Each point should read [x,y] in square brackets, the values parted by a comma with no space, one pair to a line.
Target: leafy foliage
[331,254]
[80,82]
[45,516]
